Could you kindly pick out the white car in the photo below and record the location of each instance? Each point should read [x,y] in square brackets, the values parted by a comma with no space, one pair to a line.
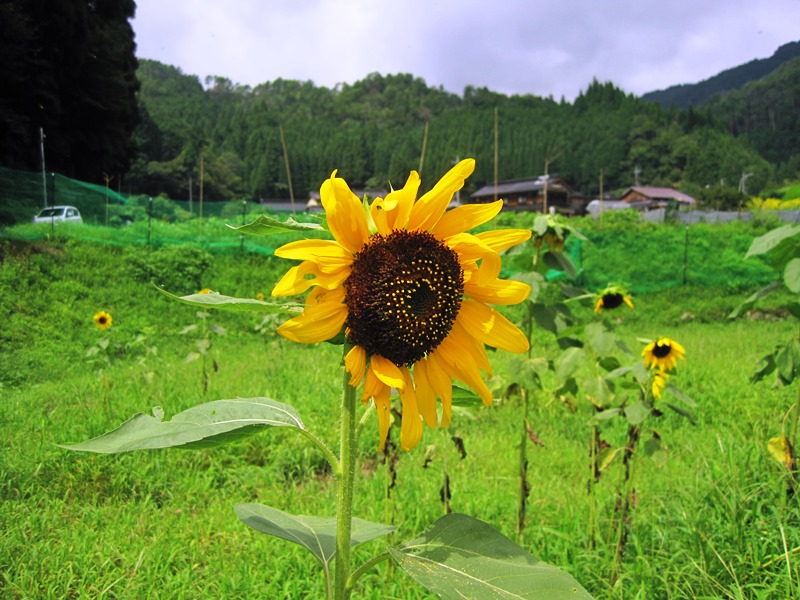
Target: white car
[58,214]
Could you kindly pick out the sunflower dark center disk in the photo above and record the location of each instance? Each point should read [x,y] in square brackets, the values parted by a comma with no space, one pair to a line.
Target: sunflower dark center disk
[102,320]
[612,300]
[403,294]
[661,350]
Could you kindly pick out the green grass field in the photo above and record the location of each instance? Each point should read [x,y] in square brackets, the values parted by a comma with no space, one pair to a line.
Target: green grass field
[712,520]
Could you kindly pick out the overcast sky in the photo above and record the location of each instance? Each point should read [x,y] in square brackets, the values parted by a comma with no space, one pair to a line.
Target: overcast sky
[509,46]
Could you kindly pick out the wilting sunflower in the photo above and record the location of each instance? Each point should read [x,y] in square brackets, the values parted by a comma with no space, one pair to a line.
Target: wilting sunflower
[103,320]
[663,354]
[659,383]
[612,297]
[412,289]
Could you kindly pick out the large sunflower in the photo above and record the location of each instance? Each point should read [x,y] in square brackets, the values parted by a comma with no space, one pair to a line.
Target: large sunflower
[663,353]
[411,288]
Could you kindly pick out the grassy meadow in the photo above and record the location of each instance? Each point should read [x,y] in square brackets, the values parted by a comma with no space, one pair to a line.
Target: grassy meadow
[712,517]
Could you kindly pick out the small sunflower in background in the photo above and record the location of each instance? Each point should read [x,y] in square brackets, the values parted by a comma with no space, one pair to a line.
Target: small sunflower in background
[205,291]
[103,320]
[659,383]
[663,354]
[612,297]
[259,296]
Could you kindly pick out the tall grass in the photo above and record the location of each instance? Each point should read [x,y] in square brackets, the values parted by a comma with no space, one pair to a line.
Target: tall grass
[713,518]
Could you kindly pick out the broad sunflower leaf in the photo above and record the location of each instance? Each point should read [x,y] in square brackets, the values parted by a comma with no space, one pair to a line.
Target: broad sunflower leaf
[682,412]
[461,557]
[764,367]
[316,534]
[597,391]
[215,300]
[750,302]
[558,261]
[765,243]
[466,398]
[569,361]
[791,275]
[600,338]
[687,400]
[606,415]
[266,225]
[206,425]
[637,412]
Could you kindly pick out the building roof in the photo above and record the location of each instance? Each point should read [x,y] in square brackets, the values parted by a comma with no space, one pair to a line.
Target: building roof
[660,193]
[521,186]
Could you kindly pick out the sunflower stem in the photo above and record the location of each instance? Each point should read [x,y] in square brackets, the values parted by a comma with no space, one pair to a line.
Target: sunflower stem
[344,489]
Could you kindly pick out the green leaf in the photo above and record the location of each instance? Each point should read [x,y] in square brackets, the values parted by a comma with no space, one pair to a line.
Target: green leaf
[770,240]
[606,415]
[210,424]
[784,360]
[265,225]
[687,400]
[637,412]
[214,300]
[316,534]
[545,317]
[597,390]
[558,261]
[461,557]
[600,338]
[569,362]
[466,398]
[764,367]
[682,412]
[750,302]
[619,372]
[791,275]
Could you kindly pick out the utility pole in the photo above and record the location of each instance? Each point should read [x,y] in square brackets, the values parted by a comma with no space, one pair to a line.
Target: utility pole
[44,174]
[602,198]
[546,179]
[636,172]
[495,153]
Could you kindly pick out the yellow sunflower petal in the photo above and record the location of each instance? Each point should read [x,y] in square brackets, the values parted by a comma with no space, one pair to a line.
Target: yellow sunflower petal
[392,212]
[489,269]
[374,388]
[463,218]
[426,396]
[305,275]
[442,385]
[468,247]
[500,291]
[490,327]
[457,361]
[355,363]
[427,211]
[598,307]
[627,301]
[346,218]
[388,372]
[503,239]
[328,255]
[411,425]
[322,319]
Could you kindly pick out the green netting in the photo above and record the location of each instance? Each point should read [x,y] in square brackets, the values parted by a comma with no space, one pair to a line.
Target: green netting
[643,259]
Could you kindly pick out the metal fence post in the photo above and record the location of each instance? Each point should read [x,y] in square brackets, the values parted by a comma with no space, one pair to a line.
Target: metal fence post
[149,217]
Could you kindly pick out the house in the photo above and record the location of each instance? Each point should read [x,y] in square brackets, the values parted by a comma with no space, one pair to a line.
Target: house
[658,197]
[529,194]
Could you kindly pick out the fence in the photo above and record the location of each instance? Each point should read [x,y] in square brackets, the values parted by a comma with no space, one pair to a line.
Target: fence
[707,251]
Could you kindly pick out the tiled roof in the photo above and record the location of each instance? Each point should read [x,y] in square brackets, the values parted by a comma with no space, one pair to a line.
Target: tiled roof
[661,193]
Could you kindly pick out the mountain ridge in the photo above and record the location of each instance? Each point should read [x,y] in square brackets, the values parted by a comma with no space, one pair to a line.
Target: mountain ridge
[695,94]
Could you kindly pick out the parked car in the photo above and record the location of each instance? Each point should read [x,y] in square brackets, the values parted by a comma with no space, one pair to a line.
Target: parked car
[58,214]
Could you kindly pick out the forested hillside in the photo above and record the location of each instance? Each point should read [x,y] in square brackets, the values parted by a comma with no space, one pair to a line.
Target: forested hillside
[374,132]
[766,113]
[695,94]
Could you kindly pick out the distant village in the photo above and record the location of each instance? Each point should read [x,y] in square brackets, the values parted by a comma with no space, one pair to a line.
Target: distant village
[550,193]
